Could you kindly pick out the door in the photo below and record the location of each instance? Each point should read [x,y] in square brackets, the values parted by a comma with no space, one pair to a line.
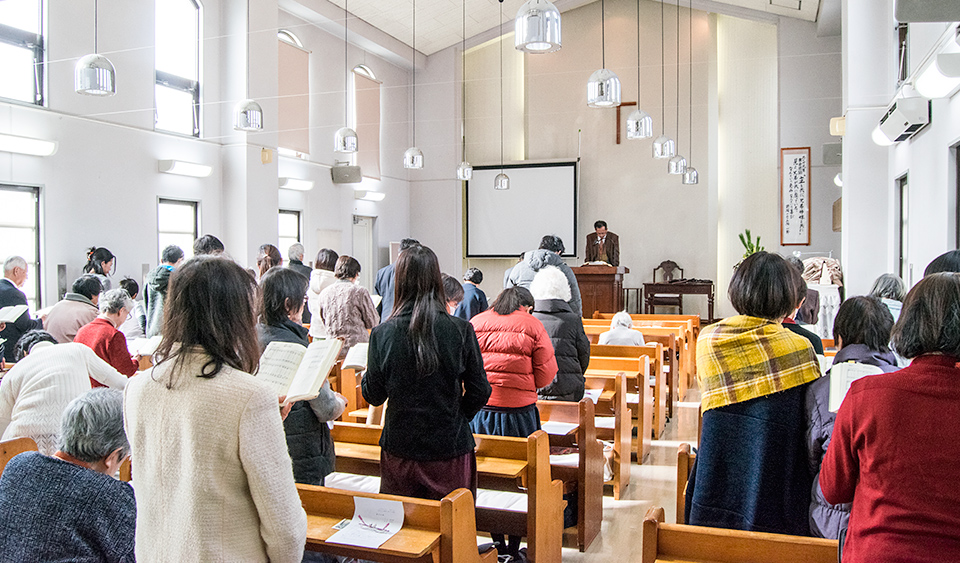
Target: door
[363,250]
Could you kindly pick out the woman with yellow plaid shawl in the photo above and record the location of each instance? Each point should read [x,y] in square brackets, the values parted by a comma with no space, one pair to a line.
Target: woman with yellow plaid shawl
[751,471]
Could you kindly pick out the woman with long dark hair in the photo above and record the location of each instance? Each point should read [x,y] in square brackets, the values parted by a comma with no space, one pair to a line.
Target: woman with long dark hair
[428,364]
[268,257]
[100,262]
[214,479]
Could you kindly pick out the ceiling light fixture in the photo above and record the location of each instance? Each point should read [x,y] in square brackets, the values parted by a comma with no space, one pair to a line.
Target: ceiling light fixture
[690,175]
[182,168]
[537,27]
[27,145]
[663,146]
[248,115]
[639,122]
[939,74]
[413,157]
[502,181]
[94,74]
[369,196]
[838,180]
[465,170]
[345,139]
[603,88]
[677,165]
[295,184]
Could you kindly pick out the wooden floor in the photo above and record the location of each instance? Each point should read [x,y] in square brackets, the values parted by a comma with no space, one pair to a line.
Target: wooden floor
[653,483]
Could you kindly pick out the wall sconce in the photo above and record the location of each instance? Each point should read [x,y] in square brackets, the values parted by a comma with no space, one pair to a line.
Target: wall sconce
[181,168]
[26,145]
[369,196]
[838,126]
[296,184]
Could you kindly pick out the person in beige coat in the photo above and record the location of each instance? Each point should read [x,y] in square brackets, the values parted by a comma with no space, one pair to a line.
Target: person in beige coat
[213,477]
[346,308]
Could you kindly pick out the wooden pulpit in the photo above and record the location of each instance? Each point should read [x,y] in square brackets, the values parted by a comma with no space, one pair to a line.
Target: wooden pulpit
[601,288]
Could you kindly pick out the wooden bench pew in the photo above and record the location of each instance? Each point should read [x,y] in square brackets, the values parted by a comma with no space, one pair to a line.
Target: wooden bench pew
[612,404]
[678,543]
[12,448]
[650,355]
[585,473]
[685,459]
[693,319]
[503,464]
[443,531]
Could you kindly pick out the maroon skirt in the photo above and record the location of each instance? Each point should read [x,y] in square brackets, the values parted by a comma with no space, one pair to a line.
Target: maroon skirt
[427,479]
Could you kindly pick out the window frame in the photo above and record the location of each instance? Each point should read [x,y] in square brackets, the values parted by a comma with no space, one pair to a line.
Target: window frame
[34,42]
[296,213]
[196,219]
[903,228]
[183,84]
[38,265]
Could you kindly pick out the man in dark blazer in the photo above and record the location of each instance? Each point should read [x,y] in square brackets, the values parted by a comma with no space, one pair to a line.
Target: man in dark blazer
[603,245]
[14,276]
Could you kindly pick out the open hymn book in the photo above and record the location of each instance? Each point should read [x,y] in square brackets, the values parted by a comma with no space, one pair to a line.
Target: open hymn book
[842,376]
[298,372]
[12,313]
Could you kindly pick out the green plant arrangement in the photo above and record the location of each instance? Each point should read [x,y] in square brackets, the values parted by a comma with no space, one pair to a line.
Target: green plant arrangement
[749,246]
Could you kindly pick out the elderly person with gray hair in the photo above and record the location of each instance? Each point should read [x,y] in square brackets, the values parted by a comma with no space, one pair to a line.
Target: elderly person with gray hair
[103,337]
[891,290]
[14,276]
[551,294]
[68,507]
[621,332]
[36,391]
[295,263]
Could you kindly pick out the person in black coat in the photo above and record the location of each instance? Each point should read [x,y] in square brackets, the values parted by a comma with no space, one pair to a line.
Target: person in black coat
[308,437]
[14,276]
[565,327]
[295,263]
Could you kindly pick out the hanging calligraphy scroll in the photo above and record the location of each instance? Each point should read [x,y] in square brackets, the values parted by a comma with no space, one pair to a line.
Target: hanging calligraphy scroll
[795,196]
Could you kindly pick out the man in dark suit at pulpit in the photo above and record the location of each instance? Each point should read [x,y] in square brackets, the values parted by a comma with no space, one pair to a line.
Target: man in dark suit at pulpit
[602,245]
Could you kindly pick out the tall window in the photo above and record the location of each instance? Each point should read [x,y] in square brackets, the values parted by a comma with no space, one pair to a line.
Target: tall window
[177,91]
[903,187]
[288,228]
[177,224]
[20,234]
[293,94]
[21,50]
[367,109]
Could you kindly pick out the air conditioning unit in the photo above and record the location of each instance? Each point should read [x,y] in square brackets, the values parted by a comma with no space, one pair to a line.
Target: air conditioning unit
[904,118]
[345,174]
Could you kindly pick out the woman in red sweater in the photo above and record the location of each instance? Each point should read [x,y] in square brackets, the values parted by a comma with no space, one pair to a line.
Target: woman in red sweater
[518,358]
[102,335]
[893,452]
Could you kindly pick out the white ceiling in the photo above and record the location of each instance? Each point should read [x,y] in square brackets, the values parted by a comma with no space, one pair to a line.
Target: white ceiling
[439,21]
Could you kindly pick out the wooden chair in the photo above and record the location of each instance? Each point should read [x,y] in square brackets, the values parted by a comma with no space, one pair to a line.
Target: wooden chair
[586,477]
[667,269]
[443,531]
[11,448]
[694,544]
[685,461]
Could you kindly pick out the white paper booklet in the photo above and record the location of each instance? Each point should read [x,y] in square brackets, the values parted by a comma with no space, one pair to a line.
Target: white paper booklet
[842,377]
[11,313]
[144,346]
[374,522]
[376,300]
[298,372]
[356,358]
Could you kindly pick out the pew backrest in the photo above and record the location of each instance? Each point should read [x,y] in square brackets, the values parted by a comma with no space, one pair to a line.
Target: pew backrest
[11,448]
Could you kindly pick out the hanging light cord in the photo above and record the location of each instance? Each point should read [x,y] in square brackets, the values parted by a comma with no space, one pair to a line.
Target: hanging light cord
[345,73]
[603,37]
[690,69]
[678,70]
[96,20]
[501,88]
[463,80]
[414,60]
[638,54]
[662,89]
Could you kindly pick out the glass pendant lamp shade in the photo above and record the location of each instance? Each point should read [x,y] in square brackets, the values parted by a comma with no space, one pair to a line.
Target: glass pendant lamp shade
[94,75]
[501,182]
[248,116]
[603,89]
[677,165]
[537,27]
[345,140]
[465,171]
[691,176]
[639,125]
[664,147]
[413,158]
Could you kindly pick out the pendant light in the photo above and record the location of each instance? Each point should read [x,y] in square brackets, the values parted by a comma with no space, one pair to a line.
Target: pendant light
[537,27]
[465,170]
[94,74]
[413,157]
[639,122]
[663,146]
[677,164]
[248,115]
[346,138]
[691,176]
[502,181]
[603,88]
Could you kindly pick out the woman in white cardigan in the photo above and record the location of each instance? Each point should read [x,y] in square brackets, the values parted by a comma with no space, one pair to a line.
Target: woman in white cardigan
[46,378]
[214,480]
